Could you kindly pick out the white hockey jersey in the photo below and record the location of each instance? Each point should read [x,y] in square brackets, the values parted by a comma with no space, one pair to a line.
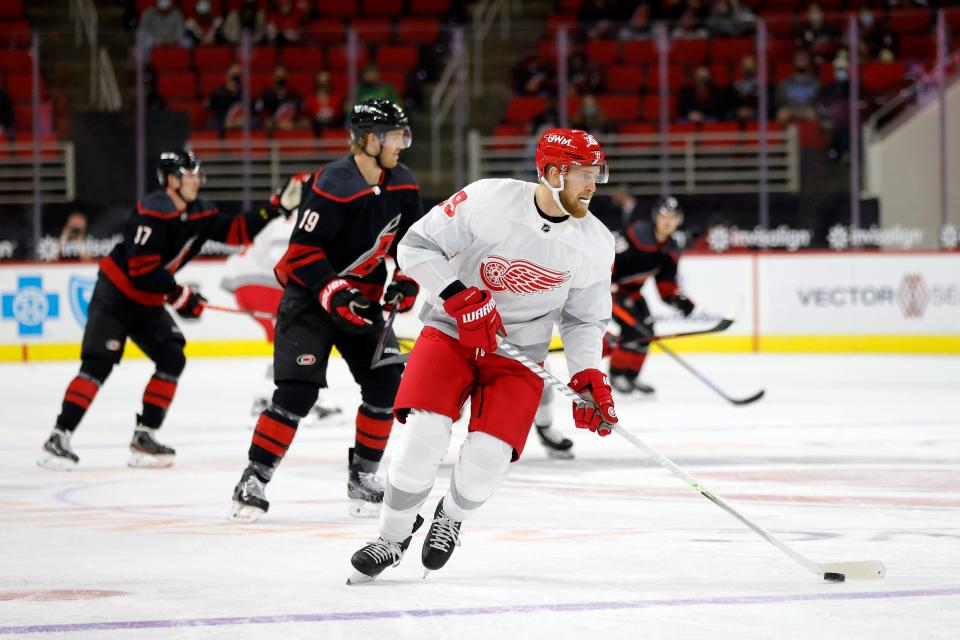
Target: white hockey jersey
[490,235]
[254,265]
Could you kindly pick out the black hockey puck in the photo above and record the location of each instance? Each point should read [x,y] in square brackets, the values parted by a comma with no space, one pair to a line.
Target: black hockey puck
[834,577]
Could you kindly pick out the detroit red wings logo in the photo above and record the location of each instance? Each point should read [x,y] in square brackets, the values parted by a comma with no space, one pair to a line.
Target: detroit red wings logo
[519,276]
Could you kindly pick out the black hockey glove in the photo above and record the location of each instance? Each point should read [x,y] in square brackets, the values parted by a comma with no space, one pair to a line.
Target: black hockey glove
[402,292]
[682,303]
[349,309]
[186,302]
[286,200]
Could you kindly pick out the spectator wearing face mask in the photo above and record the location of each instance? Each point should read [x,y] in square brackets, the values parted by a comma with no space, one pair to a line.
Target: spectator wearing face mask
[833,108]
[226,102]
[702,101]
[589,117]
[204,26]
[161,24]
[247,17]
[284,24]
[280,106]
[815,36]
[797,94]
[324,107]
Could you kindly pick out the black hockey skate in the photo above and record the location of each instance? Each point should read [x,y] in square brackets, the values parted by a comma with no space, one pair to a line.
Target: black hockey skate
[443,536]
[370,561]
[57,455]
[249,496]
[364,488]
[625,384]
[146,452]
[556,445]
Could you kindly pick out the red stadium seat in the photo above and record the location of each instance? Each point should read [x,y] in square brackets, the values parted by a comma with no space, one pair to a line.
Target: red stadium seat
[259,82]
[20,87]
[557,20]
[918,47]
[262,58]
[339,136]
[603,52]
[547,50]
[779,23]
[396,78]
[619,108]
[651,107]
[338,8]
[779,50]
[686,129]
[302,58]
[731,49]
[639,51]
[325,32]
[209,82]
[302,82]
[177,84]
[417,30]
[882,76]
[337,58]
[675,77]
[15,60]
[372,30]
[509,130]
[292,141]
[208,58]
[638,128]
[197,114]
[11,9]
[430,7]
[688,51]
[569,6]
[398,56]
[170,58]
[15,33]
[915,21]
[730,129]
[524,108]
[23,117]
[382,8]
[720,74]
[624,78]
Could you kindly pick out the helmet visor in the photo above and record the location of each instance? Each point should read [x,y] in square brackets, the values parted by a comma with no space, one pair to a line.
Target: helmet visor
[401,137]
[579,174]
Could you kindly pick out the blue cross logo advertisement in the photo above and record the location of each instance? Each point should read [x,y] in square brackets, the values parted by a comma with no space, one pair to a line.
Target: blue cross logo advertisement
[80,291]
[30,306]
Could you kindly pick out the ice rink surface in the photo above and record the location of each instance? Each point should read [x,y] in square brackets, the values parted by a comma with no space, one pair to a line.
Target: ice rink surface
[847,458]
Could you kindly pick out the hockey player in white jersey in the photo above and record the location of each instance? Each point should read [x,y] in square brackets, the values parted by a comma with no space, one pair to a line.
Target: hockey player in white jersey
[499,257]
[249,276]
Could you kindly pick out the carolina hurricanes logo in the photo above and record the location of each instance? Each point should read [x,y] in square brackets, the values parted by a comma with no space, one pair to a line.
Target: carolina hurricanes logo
[519,276]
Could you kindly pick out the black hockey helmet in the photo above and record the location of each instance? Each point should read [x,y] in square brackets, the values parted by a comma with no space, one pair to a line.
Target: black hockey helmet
[378,115]
[178,162]
[667,204]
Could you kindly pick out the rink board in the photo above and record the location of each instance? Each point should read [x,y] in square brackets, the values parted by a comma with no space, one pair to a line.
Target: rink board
[817,302]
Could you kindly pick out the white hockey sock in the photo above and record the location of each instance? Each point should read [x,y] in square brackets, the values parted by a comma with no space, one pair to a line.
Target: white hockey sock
[544,416]
[424,441]
[481,469]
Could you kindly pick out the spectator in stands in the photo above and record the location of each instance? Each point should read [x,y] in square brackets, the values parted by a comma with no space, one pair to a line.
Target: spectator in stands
[876,43]
[702,101]
[746,91]
[692,22]
[729,19]
[247,17]
[280,106]
[161,24]
[815,36]
[532,76]
[549,118]
[74,232]
[597,17]
[797,94]
[324,107]
[370,86]
[639,22]
[204,27]
[582,75]
[589,117]
[284,24]
[833,107]
[6,114]
[226,102]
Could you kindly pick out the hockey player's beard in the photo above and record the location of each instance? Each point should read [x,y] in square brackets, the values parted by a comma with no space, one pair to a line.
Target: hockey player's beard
[573,205]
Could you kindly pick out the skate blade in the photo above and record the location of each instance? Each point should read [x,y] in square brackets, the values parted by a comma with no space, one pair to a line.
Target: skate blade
[559,455]
[426,572]
[245,513]
[140,460]
[55,463]
[359,578]
[364,509]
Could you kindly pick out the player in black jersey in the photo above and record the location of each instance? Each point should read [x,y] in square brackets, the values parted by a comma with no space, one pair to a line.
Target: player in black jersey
[166,230]
[646,248]
[333,275]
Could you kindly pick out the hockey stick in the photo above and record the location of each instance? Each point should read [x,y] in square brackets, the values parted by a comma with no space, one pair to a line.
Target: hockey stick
[627,317]
[397,358]
[832,571]
[249,312]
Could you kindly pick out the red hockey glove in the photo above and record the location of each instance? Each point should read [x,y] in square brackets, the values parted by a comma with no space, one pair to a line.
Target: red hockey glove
[478,320]
[349,309]
[286,199]
[682,303]
[402,292]
[186,302]
[601,416]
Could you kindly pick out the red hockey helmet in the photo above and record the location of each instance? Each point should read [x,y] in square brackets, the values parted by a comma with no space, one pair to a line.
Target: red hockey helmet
[566,147]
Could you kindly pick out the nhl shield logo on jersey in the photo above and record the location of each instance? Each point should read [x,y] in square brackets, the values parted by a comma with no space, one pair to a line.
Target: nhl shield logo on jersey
[519,276]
